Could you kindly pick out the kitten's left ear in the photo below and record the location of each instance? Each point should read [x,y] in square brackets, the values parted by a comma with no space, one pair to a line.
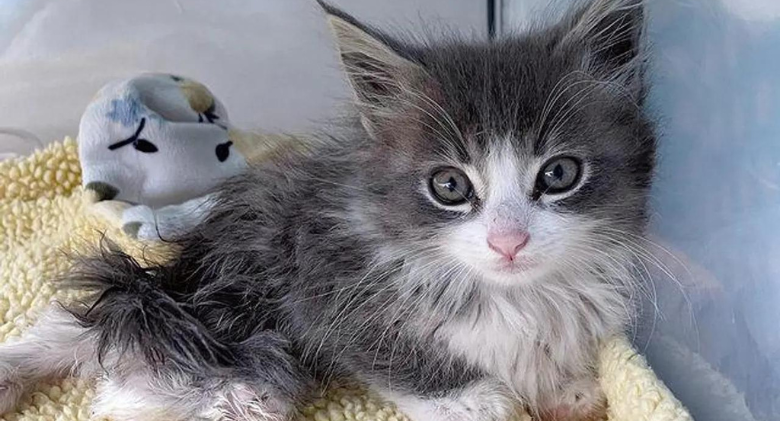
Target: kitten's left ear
[611,32]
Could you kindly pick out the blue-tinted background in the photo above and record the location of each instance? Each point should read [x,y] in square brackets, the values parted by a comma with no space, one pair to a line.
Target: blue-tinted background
[711,321]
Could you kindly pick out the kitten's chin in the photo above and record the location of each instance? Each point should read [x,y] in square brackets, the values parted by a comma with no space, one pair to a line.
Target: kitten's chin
[513,273]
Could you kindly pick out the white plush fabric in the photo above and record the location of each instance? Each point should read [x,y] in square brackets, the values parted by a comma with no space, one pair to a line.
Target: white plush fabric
[158,143]
[156,140]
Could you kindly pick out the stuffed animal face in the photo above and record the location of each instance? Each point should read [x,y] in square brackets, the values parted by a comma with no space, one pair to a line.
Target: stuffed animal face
[156,140]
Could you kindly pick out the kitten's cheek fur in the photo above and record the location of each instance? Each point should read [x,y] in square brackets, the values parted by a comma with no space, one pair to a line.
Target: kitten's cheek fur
[485,400]
[551,235]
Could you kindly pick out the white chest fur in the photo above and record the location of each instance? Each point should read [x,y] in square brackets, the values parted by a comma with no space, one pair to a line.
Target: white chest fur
[528,344]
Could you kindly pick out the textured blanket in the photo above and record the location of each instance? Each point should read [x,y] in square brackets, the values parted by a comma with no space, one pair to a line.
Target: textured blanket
[44,215]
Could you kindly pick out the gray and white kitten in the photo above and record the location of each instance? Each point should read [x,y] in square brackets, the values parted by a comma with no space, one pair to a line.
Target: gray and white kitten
[461,247]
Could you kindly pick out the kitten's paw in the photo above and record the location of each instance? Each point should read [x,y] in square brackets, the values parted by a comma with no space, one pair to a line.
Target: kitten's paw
[583,400]
[11,388]
[243,402]
[483,401]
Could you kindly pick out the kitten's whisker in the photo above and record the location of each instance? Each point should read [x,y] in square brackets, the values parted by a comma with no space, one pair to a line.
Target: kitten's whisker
[440,134]
[668,272]
[368,273]
[456,143]
[426,284]
[346,311]
[450,124]
[598,249]
[653,297]
[575,263]
[645,255]
[442,112]
[431,254]
[550,101]
[334,183]
[621,90]
[545,120]
[568,109]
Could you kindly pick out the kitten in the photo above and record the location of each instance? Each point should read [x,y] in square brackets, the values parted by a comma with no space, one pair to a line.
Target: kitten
[463,246]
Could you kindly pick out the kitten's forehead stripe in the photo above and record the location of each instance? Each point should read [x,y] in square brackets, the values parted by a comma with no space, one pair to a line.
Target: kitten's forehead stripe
[503,170]
[510,174]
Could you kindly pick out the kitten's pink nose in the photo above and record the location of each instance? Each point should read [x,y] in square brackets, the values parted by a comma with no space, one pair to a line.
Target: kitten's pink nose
[508,243]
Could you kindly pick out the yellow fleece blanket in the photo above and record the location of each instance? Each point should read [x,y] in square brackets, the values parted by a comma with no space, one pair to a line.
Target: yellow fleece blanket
[44,213]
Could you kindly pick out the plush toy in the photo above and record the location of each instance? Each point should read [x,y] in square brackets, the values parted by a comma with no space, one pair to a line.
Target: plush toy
[155,145]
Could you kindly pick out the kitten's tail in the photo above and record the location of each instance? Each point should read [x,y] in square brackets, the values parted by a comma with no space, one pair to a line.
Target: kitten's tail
[139,310]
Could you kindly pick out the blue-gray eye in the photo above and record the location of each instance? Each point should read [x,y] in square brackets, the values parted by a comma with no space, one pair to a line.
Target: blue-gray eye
[451,187]
[558,175]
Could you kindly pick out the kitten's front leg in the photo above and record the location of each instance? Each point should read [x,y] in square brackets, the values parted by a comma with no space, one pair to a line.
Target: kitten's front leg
[579,400]
[55,346]
[482,400]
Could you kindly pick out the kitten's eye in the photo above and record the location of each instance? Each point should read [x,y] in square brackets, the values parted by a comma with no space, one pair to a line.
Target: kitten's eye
[558,175]
[451,187]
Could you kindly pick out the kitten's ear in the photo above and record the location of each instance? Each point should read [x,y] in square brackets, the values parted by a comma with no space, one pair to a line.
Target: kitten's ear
[373,62]
[611,31]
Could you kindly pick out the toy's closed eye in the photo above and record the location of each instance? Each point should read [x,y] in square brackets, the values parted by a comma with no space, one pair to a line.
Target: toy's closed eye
[141,145]
[210,116]
[145,146]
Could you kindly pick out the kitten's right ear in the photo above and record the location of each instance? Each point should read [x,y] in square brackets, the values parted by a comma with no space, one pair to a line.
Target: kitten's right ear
[373,62]
[611,32]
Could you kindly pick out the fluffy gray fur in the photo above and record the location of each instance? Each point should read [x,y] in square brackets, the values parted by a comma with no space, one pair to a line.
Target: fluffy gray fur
[339,263]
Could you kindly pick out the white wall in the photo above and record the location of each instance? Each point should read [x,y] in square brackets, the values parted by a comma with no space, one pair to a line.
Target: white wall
[270,61]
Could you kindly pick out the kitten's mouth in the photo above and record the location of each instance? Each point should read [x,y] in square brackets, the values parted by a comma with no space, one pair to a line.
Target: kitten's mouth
[516,265]
[513,272]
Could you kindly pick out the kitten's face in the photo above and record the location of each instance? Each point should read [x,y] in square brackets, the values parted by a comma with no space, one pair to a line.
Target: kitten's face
[518,220]
[513,160]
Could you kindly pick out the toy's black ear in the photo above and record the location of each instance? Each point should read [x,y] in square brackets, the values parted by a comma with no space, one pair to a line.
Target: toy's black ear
[611,32]
[374,63]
